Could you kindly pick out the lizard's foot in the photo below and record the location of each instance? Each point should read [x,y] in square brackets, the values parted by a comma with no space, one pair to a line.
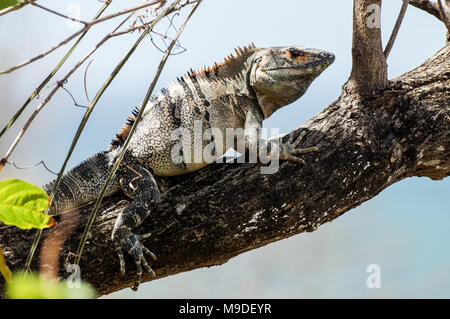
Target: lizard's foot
[131,243]
[290,149]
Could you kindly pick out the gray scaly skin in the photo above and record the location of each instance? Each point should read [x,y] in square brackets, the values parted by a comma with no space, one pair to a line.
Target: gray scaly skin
[240,92]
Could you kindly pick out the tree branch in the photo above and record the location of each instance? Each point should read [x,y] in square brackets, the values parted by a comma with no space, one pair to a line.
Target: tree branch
[86,27]
[207,217]
[427,6]
[444,16]
[369,68]
[15,7]
[59,14]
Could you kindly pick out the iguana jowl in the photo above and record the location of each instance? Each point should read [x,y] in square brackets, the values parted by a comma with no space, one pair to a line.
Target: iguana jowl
[240,92]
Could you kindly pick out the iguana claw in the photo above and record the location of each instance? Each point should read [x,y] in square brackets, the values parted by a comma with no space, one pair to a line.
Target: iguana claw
[289,149]
[134,247]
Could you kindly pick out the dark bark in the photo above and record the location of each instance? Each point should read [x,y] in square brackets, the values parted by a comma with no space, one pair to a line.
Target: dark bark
[369,68]
[207,217]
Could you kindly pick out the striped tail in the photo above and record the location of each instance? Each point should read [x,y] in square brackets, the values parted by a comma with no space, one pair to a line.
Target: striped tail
[82,184]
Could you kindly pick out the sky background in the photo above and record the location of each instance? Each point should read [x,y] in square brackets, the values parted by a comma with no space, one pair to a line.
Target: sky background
[404,229]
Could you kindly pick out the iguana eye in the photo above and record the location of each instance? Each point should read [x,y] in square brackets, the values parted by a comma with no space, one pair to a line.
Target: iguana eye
[294,53]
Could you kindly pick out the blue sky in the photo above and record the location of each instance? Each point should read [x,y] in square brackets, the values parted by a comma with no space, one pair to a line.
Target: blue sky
[404,229]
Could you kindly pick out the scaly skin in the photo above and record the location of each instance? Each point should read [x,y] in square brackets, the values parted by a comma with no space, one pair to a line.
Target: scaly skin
[240,92]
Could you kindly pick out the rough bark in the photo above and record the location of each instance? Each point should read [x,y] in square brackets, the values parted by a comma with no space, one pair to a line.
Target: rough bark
[207,217]
[369,68]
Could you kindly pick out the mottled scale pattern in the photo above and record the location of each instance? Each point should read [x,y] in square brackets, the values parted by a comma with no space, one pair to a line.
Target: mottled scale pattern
[82,183]
[210,96]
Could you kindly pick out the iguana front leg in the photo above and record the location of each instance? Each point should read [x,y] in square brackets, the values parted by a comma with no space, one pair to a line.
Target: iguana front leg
[273,150]
[137,183]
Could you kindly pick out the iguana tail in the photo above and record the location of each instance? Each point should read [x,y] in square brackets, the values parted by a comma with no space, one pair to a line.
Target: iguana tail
[82,184]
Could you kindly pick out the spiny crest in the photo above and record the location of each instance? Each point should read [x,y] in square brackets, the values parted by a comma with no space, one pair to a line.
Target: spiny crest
[120,137]
[228,61]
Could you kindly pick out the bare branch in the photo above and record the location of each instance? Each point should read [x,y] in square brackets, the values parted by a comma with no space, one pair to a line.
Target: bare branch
[37,91]
[43,54]
[61,85]
[33,166]
[427,6]
[369,68]
[444,16]
[22,132]
[85,28]
[52,93]
[134,9]
[143,25]
[16,6]
[59,14]
[394,33]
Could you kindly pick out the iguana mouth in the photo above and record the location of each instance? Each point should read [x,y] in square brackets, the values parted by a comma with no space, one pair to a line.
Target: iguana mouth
[283,68]
[304,67]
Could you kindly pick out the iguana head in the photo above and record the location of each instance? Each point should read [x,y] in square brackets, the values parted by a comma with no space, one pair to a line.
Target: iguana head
[281,75]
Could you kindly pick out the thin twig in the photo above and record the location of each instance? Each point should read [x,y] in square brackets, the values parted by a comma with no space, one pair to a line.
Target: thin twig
[140,27]
[32,166]
[394,33]
[147,4]
[42,104]
[60,14]
[85,81]
[47,79]
[16,7]
[43,54]
[427,6]
[133,128]
[445,18]
[22,132]
[68,39]
[58,179]
[61,85]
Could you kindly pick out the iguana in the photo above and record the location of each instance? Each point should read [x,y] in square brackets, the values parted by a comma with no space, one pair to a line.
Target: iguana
[240,92]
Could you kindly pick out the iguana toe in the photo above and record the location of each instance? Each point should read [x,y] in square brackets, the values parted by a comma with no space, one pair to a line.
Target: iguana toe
[131,244]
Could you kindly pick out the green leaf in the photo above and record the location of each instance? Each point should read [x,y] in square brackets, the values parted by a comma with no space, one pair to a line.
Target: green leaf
[4,270]
[7,3]
[21,205]
[32,286]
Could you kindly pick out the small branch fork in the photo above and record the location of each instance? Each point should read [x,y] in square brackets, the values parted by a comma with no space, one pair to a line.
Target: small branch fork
[369,68]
